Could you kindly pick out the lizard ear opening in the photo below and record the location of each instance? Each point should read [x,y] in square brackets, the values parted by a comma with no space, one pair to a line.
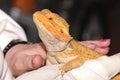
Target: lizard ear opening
[50,18]
[61,31]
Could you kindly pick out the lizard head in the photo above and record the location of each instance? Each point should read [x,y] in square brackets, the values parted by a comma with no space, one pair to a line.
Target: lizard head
[53,29]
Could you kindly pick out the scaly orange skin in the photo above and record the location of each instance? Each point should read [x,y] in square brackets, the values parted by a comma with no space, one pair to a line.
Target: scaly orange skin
[74,54]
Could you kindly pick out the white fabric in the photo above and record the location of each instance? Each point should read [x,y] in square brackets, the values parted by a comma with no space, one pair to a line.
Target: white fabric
[103,68]
[9,30]
[44,73]
[5,73]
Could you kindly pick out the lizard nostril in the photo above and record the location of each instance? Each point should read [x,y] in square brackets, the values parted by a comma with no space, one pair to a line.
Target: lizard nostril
[61,31]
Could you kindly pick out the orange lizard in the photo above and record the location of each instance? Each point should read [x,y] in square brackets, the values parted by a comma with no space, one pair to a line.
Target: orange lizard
[62,48]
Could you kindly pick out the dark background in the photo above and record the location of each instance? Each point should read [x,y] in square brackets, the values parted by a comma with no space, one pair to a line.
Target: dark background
[88,19]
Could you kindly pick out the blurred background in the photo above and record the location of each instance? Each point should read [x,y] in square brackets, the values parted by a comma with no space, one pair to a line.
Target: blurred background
[88,19]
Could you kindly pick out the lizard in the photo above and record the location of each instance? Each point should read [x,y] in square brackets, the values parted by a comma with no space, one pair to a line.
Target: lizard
[62,48]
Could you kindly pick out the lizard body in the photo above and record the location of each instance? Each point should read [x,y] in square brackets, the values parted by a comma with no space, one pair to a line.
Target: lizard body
[62,48]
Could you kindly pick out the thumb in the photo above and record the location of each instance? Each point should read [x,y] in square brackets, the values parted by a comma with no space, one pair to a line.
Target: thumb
[34,62]
[37,61]
[27,63]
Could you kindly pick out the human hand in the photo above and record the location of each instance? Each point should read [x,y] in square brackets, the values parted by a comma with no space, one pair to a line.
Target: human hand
[101,46]
[25,57]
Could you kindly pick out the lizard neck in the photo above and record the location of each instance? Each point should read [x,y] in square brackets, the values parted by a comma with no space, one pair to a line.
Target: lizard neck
[60,48]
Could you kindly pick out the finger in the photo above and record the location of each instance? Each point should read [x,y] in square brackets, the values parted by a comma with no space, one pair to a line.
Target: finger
[37,61]
[102,50]
[89,45]
[26,63]
[32,62]
[103,42]
[99,43]
[42,50]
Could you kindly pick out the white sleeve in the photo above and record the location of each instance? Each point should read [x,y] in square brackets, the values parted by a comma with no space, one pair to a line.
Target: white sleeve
[5,73]
[9,30]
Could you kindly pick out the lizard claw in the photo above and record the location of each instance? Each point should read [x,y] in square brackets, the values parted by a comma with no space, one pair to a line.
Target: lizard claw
[62,69]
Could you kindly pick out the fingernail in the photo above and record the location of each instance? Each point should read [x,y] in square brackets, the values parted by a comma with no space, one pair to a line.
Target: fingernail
[103,40]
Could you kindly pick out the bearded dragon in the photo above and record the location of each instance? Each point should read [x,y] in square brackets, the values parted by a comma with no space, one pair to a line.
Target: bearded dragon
[61,46]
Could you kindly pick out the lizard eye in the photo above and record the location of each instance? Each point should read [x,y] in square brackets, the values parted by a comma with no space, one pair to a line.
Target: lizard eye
[50,18]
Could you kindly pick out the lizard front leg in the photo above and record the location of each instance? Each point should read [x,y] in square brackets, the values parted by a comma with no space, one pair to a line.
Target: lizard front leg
[75,63]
